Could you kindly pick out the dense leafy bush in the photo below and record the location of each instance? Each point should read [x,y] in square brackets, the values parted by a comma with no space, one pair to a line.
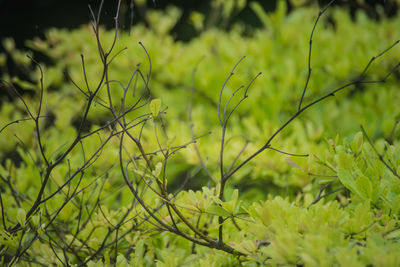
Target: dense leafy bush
[126,160]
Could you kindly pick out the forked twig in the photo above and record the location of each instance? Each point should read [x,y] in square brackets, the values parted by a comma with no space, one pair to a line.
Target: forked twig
[309,52]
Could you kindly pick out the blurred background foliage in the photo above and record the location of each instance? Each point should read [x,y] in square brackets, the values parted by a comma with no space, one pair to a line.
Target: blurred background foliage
[24,19]
[278,49]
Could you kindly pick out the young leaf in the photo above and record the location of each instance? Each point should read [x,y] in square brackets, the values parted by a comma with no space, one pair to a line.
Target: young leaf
[346,179]
[139,249]
[357,142]
[217,210]
[155,106]
[157,171]
[364,186]
[21,216]
[36,220]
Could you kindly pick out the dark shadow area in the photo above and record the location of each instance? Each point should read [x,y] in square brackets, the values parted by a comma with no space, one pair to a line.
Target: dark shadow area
[24,19]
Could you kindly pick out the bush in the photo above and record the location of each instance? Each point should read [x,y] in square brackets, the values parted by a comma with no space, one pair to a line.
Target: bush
[105,176]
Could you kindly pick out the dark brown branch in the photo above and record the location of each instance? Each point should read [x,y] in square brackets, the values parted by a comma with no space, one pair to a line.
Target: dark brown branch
[2,213]
[309,52]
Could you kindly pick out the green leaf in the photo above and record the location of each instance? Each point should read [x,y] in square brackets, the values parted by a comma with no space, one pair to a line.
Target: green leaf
[396,204]
[155,106]
[235,196]
[364,187]
[260,13]
[139,249]
[394,235]
[346,179]
[21,216]
[157,171]
[217,210]
[211,195]
[121,260]
[228,206]
[197,20]
[36,220]
[9,44]
[233,205]
[24,84]
[357,142]
[106,257]
[343,159]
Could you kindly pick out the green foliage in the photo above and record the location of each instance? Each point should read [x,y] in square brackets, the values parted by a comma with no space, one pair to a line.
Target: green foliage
[279,50]
[338,207]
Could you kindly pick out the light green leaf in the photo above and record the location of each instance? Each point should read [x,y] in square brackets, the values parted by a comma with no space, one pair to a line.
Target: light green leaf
[197,20]
[241,4]
[24,84]
[157,171]
[36,220]
[121,260]
[396,204]
[357,142]
[211,195]
[228,206]
[261,14]
[364,187]
[235,196]
[343,159]
[9,44]
[139,249]
[21,216]
[155,106]
[217,210]
[234,203]
[106,256]
[346,179]
[394,235]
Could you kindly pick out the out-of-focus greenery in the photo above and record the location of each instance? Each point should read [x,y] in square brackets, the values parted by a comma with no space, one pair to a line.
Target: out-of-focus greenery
[358,225]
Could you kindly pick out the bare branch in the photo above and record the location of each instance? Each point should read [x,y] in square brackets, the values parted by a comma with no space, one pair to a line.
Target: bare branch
[309,52]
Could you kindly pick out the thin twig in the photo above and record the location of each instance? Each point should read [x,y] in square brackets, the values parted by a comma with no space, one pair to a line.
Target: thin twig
[391,169]
[309,52]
